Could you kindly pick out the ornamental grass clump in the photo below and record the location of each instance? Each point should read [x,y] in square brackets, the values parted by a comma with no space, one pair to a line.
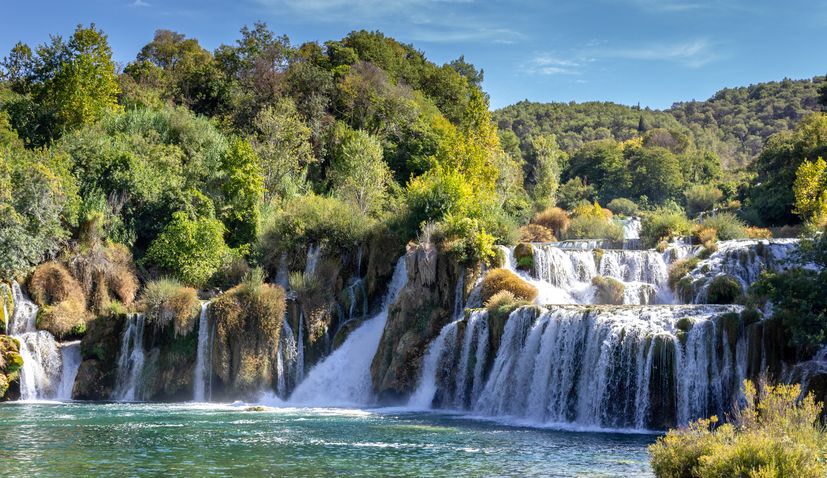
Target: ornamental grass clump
[553,218]
[776,433]
[167,301]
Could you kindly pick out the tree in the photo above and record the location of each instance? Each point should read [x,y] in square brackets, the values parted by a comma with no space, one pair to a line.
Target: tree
[243,188]
[810,190]
[282,143]
[359,175]
[191,249]
[656,172]
[79,82]
[701,167]
[468,71]
[601,164]
[548,162]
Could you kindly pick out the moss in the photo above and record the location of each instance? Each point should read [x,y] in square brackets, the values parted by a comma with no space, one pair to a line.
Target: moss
[685,289]
[168,302]
[598,256]
[679,269]
[524,253]
[608,291]
[731,323]
[684,324]
[51,283]
[64,320]
[724,289]
[750,316]
[503,279]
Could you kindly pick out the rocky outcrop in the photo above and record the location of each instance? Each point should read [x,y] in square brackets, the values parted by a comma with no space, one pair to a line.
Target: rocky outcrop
[423,307]
[99,349]
[10,364]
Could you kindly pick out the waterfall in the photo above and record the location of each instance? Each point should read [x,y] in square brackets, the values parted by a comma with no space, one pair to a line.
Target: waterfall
[286,362]
[70,363]
[433,366]
[203,359]
[603,367]
[300,350]
[343,377]
[40,375]
[313,254]
[130,360]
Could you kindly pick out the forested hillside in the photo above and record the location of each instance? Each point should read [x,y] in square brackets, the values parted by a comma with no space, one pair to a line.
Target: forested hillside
[735,123]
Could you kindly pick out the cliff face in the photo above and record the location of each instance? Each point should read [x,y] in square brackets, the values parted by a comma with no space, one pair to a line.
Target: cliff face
[423,307]
[99,349]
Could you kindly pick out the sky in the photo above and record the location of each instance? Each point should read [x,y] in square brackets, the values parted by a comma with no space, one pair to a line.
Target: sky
[647,52]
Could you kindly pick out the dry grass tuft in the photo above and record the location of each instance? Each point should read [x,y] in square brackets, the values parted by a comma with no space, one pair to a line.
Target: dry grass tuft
[502,279]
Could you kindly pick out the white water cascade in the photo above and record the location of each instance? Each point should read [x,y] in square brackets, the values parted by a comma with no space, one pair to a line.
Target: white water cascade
[286,362]
[343,377]
[130,360]
[71,358]
[43,366]
[593,367]
[202,380]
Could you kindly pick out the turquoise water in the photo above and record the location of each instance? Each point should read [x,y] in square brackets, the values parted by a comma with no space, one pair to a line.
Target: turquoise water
[187,440]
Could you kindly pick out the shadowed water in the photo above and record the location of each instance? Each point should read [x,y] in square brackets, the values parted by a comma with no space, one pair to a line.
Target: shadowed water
[187,440]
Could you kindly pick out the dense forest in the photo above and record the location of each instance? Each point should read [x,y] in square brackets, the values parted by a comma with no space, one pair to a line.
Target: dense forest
[734,124]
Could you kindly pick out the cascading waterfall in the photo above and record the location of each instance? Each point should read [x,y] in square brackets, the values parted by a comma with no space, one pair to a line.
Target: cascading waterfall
[343,377]
[130,360]
[602,367]
[286,362]
[71,359]
[202,391]
[313,254]
[300,350]
[40,376]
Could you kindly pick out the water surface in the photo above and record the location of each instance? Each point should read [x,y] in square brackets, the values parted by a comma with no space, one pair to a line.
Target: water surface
[122,440]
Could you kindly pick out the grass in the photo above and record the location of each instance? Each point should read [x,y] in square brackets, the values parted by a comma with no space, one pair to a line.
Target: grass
[504,280]
[167,301]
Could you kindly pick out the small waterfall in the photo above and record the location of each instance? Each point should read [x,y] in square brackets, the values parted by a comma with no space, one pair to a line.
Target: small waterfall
[71,359]
[130,360]
[300,350]
[25,312]
[459,297]
[283,273]
[202,380]
[631,232]
[343,377]
[40,375]
[471,360]
[313,254]
[286,362]
[433,365]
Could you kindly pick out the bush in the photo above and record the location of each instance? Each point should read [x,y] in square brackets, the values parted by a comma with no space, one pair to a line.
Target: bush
[311,219]
[679,269]
[608,291]
[594,227]
[623,207]
[51,283]
[524,254]
[723,289]
[190,249]
[166,300]
[502,279]
[758,233]
[555,219]
[663,225]
[466,240]
[536,233]
[702,197]
[775,433]
[65,319]
[726,225]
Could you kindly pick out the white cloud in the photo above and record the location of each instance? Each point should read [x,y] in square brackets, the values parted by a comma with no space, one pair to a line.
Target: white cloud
[693,53]
[139,3]
[547,64]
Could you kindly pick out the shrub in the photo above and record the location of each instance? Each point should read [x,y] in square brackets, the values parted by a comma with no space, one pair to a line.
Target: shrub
[608,291]
[679,269]
[726,225]
[594,227]
[536,233]
[190,249]
[775,433]
[502,279]
[166,300]
[758,233]
[524,254]
[723,289]
[64,319]
[311,219]
[104,269]
[51,283]
[555,219]
[663,225]
[702,197]
[623,207]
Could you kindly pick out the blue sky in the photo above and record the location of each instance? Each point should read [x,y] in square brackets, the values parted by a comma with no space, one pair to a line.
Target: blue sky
[652,52]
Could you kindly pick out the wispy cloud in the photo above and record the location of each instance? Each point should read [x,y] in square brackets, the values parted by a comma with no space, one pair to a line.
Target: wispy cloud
[547,64]
[693,53]
[139,3]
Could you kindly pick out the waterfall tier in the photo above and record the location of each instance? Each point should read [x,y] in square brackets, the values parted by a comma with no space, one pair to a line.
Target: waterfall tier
[635,367]
[130,360]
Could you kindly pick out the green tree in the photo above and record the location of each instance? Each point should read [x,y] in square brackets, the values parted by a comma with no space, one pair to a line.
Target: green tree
[547,164]
[191,249]
[601,164]
[656,172]
[701,167]
[79,83]
[282,143]
[243,188]
[810,190]
[358,174]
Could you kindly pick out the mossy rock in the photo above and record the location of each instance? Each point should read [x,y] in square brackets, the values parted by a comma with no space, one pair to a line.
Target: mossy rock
[723,289]
[750,316]
[598,256]
[524,254]
[608,291]
[685,289]
[684,324]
